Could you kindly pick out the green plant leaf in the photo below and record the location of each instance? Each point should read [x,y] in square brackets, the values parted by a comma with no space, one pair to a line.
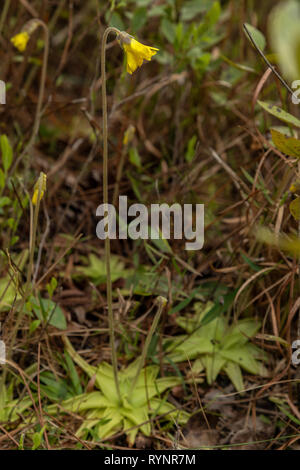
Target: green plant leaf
[7,153]
[244,358]
[192,8]
[217,310]
[240,333]
[285,37]
[4,201]
[279,113]
[9,284]
[257,35]
[115,20]
[295,208]
[168,29]
[2,178]
[139,18]
[72,373]
[217,346]
[211,17]
[134,157]
[102,410]
[96,270]
[49,312]
[190,153]
[290,244]
[213,365]
[114,422]
[234,373]
[173,414]
[288,145]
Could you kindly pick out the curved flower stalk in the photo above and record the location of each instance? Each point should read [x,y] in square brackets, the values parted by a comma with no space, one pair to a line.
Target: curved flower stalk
[20,41]
[136,53]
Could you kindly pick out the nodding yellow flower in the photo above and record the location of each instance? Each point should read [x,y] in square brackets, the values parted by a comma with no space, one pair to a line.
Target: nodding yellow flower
[135,52]
[20,40]
[39,187]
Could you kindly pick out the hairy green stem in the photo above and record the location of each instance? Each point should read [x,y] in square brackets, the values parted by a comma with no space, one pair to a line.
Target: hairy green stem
[105,200]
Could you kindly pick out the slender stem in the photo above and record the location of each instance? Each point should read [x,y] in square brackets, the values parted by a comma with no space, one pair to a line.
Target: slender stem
[28,288]
[33,235]
[105,200]
[283,82]
[119,176]
[38,113]
[161,304]
[298,323]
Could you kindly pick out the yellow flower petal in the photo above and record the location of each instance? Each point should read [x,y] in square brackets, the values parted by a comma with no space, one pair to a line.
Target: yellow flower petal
[20,40]
[35,196]
[136,53]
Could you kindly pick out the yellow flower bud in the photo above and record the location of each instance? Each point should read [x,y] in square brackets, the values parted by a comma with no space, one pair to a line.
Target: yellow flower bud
[39,188]
[128,135]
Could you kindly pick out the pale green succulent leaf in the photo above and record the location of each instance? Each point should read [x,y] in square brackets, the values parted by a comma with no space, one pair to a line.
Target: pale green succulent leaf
[113,423]
[191,323]
[213,365]
[131,433]
[197,367]
[235,375]
[88,369]
[92,419]
[171,413]
[240,333]
[138,416]
[96,269]
[191,347]
[242,356]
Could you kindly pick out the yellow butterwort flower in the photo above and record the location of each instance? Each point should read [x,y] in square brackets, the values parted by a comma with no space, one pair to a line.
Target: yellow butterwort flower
[135,52]
[20,40]
[39,187]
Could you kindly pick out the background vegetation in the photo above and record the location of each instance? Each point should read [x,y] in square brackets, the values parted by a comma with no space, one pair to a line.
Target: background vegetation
[219,370]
